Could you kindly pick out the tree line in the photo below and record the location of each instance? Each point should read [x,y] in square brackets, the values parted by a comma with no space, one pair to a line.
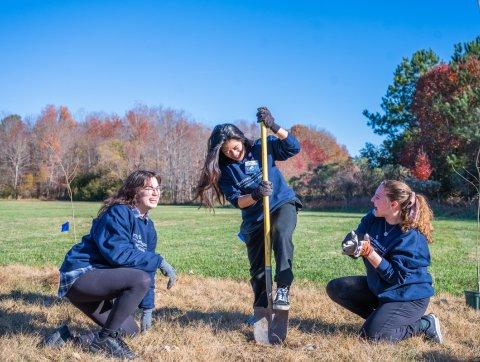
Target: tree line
[430,120]
[57,157]
[55,153]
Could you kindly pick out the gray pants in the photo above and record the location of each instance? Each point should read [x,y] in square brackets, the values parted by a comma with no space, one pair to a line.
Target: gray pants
[282,224]
[392,321]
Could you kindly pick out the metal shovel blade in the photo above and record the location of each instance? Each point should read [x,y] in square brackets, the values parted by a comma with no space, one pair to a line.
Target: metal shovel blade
[261,325]
[270,326]
[278,326]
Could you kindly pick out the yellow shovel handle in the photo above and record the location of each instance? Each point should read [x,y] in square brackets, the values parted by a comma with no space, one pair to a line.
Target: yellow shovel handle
[266,203]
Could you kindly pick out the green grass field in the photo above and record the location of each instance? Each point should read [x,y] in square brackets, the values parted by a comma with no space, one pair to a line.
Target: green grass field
[201,243]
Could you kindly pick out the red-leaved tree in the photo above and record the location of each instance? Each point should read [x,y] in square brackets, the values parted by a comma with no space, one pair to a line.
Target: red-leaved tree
[422,168]
[318,147]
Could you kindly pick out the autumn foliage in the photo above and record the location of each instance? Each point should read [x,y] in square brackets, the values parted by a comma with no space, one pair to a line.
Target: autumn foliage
[93,155]
[318,147]
[90,157]
[447,107]
[422,169]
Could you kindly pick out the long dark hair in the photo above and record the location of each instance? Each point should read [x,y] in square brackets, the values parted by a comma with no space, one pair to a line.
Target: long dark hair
[126,194]
[215,158]
[414,209]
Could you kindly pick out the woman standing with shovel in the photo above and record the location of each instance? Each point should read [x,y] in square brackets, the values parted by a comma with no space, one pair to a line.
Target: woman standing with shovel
[233,170]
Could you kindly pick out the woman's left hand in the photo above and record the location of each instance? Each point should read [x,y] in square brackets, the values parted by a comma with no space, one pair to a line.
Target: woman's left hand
[169,272]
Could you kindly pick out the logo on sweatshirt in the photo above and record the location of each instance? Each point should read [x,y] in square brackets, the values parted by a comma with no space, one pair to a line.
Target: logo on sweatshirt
[139,243]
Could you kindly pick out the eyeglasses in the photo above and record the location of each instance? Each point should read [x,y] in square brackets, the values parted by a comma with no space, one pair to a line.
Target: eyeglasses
[150,189]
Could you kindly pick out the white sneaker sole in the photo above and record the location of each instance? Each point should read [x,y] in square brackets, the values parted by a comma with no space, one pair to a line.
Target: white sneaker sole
[281,307]
[437,329]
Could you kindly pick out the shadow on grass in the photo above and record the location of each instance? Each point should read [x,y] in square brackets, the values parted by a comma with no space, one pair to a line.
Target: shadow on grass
[438,356]
[219,320]
[21,322]
[13,321]
[316,326]
[32,298]
[235,321]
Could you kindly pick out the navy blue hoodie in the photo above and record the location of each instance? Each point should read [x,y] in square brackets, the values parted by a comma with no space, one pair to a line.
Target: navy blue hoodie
[403,272]
[234,180]
[119,238]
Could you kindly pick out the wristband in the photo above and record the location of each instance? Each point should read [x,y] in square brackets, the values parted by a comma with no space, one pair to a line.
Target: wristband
[275,127]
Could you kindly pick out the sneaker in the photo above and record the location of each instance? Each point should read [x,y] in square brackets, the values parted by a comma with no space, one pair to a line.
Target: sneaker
[281,299]
[433,332]
[112,345]
[58,338]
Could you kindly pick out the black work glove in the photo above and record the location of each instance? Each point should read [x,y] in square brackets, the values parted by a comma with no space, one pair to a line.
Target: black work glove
[264,115]
[264,189]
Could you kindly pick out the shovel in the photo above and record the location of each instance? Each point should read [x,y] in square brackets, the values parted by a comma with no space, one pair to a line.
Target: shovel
[270,325]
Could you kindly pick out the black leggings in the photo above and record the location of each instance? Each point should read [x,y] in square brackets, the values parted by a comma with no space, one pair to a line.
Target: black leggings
[110,297]
[392,321]
[283,223]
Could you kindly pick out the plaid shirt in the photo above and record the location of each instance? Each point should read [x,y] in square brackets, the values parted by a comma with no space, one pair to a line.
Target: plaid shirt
[68,278]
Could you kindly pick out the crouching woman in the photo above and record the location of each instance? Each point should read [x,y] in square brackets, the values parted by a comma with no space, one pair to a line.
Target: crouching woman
[392,240]
[112,270]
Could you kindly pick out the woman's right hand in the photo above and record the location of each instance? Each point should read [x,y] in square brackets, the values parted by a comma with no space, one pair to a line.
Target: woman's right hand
[264,115]
[351,246]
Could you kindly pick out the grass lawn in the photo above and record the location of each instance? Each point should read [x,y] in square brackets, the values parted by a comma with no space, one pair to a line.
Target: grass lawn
[200,243]
[202,317]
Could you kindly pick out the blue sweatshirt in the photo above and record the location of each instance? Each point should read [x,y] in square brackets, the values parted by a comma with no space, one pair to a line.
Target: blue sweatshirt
[403,272]
[119,238]
[236,179]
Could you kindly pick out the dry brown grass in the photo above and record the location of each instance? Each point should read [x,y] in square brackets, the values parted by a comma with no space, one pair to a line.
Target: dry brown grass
[202,319]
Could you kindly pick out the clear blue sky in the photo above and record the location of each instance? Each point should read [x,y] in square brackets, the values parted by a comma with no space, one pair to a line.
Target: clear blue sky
[312,62]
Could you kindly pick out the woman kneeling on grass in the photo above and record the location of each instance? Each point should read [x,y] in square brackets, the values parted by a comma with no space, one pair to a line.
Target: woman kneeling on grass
[112,270]
[233,170]
[395,293]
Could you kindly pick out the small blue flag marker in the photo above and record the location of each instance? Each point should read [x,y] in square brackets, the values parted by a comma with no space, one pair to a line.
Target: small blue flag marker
[65,227]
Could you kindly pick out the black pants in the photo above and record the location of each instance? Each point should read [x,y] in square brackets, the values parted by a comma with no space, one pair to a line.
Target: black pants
[282,224]
[392,321]
[110,297]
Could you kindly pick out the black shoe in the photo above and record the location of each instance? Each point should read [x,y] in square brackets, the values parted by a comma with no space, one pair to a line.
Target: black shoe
[281,299]
[58,338]
[112,345]
[84,340]
[433,332]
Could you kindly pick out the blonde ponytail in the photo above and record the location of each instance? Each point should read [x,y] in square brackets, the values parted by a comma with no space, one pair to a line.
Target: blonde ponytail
[414,208]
